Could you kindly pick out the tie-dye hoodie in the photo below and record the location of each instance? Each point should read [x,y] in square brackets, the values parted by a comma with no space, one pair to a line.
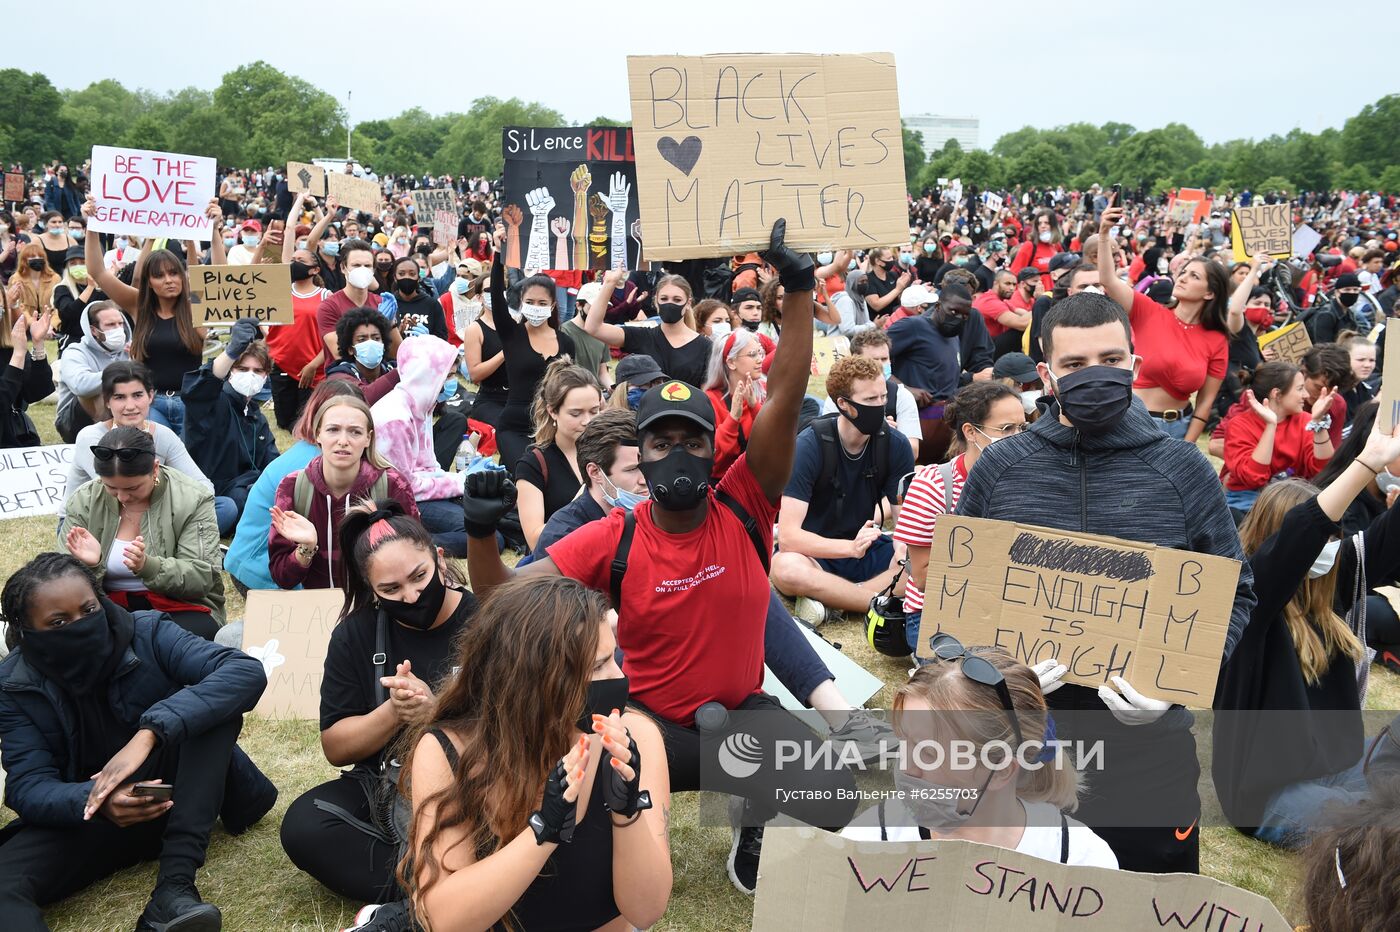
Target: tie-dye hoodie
[403,419]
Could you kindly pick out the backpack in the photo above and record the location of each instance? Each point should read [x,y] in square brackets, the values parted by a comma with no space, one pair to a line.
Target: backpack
[825,429]
[891,398]
[302,492]
[719,280]
[629,527]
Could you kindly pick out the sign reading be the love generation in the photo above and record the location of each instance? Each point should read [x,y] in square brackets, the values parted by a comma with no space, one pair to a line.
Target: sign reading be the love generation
[151,193]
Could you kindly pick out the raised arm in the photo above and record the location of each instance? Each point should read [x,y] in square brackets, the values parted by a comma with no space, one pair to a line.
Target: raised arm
[116,289]
[500,311]
[1113,286]
[314,238]
[595,324]
[217,255]
[1239,298]
[289,243]
[773,439]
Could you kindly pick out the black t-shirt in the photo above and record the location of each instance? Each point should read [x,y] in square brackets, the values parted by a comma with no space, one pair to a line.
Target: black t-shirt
[687,363]
[350,678]
[875,288]
[165,355]
[561,486]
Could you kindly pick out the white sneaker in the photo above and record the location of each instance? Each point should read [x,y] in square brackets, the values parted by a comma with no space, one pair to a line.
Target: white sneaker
[810,611]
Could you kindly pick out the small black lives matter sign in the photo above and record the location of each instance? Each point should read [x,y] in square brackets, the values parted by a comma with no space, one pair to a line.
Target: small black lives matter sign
[223,294]
[727,144]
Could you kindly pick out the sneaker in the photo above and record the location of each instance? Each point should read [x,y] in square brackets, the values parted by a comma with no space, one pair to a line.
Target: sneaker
[745,850]
[383,917]
[178,908]
[1389,660]
[811,611]
[866,733]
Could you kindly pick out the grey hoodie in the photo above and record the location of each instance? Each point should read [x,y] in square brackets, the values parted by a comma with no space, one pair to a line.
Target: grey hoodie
[80,367]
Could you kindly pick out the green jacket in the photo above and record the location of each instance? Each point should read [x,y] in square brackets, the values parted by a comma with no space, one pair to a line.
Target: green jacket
[182,537]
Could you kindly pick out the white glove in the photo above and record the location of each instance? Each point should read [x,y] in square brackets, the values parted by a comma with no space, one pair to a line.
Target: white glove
[1051,673]
[1131,708]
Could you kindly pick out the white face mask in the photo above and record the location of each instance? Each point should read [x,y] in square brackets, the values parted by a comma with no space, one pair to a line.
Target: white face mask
[536,316]
[1046,236]
[1028,400]
[360,277]
[1387,481]
[719,331]
[1325,560]
[114,339]
[247,384]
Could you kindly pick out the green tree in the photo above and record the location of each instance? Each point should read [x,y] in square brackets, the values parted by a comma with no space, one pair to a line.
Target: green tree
[1117,133]
[1013,144]
[410,141]
[1368,139]
[1040,166]
[1352,178]
[281,117]
[1155,153]
[99,114]
[1278,183]
[607,121]
[473,142]
[914,157]
[1308,160]
[1389,181]
[210,132]
[982,169]
[31,117]
[147,132]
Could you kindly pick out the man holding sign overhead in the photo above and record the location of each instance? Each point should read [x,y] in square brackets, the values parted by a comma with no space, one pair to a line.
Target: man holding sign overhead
[1097,463]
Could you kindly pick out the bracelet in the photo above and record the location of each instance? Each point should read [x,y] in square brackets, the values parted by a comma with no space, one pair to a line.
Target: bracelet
[635,816]
[308,552]
[1374,471]
[1197,417]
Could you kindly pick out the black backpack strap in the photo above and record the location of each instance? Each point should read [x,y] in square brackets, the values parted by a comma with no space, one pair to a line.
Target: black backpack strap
[825,429]
[891,398]
[750,526]
[381,656]
[1064,839]
[619,563]
[880,813]
[447,746]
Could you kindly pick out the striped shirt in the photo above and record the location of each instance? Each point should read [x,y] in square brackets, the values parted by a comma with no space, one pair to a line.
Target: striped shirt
[923,503]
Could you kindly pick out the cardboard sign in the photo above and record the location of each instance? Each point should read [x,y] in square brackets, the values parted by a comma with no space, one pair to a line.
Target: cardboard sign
[223,294]
[1263,230]
[1289,342]
[160,194]
[1389,414]
[14,186]
[811,879]
[355,193]
[1182,211]
[992,202]
[727,144]
[444,227]
[855,683]
[303,177]
[1105,607]
[1198,198]
[955,193]
[574,192]
[33,479]
[289,631]
[1305,240]
[426,204]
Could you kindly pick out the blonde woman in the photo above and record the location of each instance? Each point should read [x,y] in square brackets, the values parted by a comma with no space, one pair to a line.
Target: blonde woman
[311,502]
[676,345]
[547,476]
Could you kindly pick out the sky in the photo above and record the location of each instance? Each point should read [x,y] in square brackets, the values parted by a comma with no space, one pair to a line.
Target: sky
[1008,62]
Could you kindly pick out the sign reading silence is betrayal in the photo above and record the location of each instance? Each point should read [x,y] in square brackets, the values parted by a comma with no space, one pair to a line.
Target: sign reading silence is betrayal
[810,879]
[290,631]
[1156,617]
[222,294]
[146,193]
[571,198]
[33,479]
[727,144]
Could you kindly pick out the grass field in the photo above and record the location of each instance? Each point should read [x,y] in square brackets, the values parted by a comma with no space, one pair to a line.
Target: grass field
[257,888]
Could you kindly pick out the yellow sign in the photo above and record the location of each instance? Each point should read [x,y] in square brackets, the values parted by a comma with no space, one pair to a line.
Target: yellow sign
[1289,343]
[1263,230]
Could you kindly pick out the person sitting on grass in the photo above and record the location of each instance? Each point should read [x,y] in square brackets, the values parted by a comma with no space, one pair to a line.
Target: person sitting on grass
[96,701]
[547,477]
[845,481]
[361,337]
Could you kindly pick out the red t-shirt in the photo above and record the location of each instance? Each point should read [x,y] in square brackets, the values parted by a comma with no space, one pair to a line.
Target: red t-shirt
[1293,451]
[1175,357]
[449,314]
[294,345]
[991,307]
[334,308]
[693,605]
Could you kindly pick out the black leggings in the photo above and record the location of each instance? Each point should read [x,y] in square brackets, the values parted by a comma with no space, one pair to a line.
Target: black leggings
[349,861]
[1382,625]
[201,624]
[43,864]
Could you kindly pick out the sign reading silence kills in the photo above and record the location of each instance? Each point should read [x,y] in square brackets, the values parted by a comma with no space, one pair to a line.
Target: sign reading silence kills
[727,144]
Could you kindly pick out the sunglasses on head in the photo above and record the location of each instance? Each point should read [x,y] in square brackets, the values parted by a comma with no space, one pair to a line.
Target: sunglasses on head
[978,669]
[125,455]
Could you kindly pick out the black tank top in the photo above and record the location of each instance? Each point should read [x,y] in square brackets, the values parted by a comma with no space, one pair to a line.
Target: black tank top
[167,357]
[574,888]
[496,386]
[58,258]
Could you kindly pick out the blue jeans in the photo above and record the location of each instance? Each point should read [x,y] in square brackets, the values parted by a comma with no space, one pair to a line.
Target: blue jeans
[789,655]
[169,410]
[1175,429]
[444,520]
[1241,501]
[567,308]
[1297,809]
[226,510]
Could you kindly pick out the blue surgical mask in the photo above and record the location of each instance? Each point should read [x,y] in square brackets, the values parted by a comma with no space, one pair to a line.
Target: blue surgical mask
[852,265]
[621,498]
[331,248]
[824,258]
[634,397]
[906,258]
[449,389]
[122,242]
[76,234]
[369,353]
[930,248]
[251,239]
[888,370]
[460,286]
[229,241]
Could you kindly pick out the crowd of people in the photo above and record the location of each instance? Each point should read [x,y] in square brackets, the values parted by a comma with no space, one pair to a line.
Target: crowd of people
[684,511]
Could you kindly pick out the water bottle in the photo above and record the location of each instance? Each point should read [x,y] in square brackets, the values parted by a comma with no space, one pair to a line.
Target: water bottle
[465,452]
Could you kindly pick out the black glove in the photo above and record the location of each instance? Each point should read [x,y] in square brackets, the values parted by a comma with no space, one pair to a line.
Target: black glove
[555,819]
[795,269]
[244,332]
[487,497]
[625,797]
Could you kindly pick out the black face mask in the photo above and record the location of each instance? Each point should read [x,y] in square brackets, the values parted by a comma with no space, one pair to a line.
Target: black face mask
[869,419]
[603,696]
[35,263]
[74,655]
[420,614]
[1095,398]
[679,481]
[670,312]
[301,271]
[1345,299]
[406,286]
[950,325]
[751,324]
[424,249]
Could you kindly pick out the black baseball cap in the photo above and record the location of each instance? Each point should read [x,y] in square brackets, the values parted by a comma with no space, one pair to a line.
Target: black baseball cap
[639,369]
[745,294]
[1061,259]
[675,399]
[1016,366]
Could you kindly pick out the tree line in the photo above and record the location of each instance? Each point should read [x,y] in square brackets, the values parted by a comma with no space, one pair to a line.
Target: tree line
[259,116]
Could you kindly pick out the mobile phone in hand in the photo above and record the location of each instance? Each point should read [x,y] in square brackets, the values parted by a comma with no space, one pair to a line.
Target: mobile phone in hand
[160,792]
[1117,195]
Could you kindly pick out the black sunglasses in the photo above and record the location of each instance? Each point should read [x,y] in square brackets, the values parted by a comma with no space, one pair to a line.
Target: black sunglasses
[978,669]
[126,454]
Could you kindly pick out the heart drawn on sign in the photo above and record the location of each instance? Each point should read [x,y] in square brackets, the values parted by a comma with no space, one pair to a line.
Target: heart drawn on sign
[683,154]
